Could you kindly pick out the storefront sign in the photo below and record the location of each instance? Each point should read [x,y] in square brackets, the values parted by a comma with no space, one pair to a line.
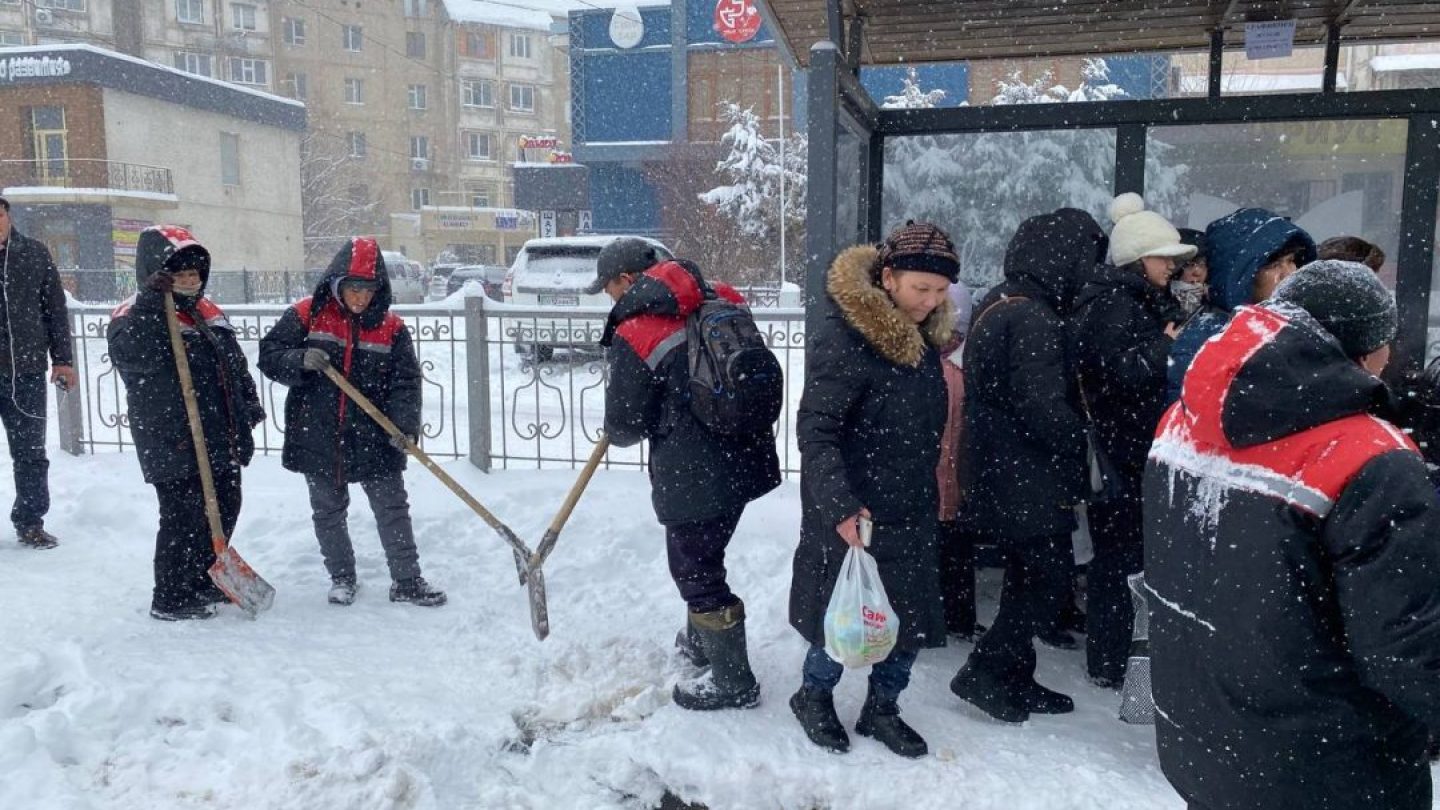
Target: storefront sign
[460,222]
[547,224]
[561,157]
[627,28]
[34,67]
[543,142]
[125,234]
[737,20]
[586,223]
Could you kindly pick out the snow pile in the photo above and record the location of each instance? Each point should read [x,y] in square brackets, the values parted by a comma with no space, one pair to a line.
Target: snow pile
[388,706]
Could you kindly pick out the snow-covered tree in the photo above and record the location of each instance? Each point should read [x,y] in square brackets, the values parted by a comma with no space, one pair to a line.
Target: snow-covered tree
[979,187]
[753,172]
[911,97]
[333,206]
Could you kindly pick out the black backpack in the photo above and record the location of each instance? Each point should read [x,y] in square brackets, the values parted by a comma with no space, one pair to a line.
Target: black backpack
[736,385]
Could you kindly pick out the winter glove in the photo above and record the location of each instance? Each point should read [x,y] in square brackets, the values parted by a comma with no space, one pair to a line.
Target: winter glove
[257,415]
[316,360]
[398,442]
[161,281]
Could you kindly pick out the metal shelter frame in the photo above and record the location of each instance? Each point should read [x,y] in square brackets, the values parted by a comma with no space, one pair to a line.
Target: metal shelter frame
[842,115]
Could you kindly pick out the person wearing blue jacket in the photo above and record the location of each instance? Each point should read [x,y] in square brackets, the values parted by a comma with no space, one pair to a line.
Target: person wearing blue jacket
[1250,252]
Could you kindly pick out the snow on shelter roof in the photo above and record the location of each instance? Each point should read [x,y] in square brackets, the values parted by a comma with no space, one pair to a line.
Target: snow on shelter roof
[904,31]
[536,15]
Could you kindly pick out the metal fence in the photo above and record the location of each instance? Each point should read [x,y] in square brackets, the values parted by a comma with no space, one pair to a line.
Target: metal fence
[226,287]
[506,387]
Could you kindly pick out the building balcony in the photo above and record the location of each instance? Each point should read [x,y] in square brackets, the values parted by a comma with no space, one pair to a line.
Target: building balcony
[85,180]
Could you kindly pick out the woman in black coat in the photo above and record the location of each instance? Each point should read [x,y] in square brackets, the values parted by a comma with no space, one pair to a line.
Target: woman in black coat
[869,430]
[1124,325]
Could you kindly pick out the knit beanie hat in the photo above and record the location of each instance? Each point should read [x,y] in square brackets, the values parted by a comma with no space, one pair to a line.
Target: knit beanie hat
[1139,233]
[1197,240]
[922,247]
[1347,299]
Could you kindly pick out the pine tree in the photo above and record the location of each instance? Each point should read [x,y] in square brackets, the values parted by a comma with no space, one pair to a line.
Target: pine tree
[753,169]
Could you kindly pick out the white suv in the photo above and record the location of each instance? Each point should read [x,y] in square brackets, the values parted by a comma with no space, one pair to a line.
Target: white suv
[554,273]
[407,278]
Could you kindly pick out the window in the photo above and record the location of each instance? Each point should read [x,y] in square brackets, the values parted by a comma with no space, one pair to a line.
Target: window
[415,44]
[242,17]
[479,146]
[354,91]
[419,147]
[520,46]
[299,86]
[354,37]
[12,38]
[418,96]
[416,8]
[522,97]
[63,5]
[249,71]
[475,93]
[480,198]
[197,63]
[419,197]
[190,11]
[47,127]
[229,158]
[478,45]
[294,31]
[357,144]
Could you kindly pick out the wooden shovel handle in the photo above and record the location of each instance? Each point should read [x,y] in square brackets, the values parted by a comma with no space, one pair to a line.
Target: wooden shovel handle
[548,542]
[197,430]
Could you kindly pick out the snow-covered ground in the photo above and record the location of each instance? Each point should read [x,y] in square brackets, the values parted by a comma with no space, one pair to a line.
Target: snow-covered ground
[389,706]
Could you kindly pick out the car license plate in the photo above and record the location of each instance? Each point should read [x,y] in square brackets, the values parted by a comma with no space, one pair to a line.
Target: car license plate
[559,300]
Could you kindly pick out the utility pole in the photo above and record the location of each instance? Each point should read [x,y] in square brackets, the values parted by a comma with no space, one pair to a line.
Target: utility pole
[780,91]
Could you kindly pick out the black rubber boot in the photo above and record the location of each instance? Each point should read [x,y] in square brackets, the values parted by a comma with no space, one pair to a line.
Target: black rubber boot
[815,709]
[1036,699]
[416,591]
[687,643]
[880,720]
[989,693]
[729,684]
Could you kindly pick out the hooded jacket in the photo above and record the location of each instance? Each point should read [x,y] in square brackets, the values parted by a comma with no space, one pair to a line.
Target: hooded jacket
[325,433]
[1024,437]
[140,349]
[1239,245]
[1294,580]
[869,428]
[32,304]
[695,474]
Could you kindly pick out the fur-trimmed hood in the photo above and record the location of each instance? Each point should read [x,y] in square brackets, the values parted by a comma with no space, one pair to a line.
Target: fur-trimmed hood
[869,310]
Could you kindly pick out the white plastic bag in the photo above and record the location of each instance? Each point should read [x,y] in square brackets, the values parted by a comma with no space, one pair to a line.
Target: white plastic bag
[860,626]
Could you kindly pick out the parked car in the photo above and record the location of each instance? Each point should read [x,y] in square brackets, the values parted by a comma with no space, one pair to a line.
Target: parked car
[554,273]
[439,276]
[407,278]
[491,276]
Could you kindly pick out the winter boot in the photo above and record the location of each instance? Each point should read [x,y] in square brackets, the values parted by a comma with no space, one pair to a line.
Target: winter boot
[184,614]
[37,537]
[880,720]
[989,693]
[1036,699]
[729,684]
[815,709]
[416,591]
[342,591]
[687,643]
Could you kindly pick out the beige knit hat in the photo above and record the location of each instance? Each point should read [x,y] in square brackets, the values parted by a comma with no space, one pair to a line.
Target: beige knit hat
[1139,233]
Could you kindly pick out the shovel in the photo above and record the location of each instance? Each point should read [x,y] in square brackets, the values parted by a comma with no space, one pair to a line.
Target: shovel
[230,573]
[535,582]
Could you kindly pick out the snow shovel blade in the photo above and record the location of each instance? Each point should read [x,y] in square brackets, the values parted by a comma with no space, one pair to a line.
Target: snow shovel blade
[239,582]
[539,612]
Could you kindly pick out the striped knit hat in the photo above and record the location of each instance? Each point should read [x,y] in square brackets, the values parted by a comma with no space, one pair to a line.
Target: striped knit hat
[920,246]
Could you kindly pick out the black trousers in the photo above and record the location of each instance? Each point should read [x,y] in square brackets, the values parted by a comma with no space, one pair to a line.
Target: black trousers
[957,577]
[1037,583]
[697,561]
[183,548]
[22,410]
[1117,534]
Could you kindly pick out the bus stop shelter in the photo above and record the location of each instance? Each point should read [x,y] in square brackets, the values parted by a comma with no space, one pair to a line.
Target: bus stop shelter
[848,130]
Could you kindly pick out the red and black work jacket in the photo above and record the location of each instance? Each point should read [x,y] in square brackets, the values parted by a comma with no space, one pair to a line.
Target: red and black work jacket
[1292,557]
[694,474]
[326,434]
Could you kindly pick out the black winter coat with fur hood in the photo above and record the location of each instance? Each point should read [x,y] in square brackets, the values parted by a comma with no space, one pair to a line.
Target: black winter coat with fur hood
[869,430]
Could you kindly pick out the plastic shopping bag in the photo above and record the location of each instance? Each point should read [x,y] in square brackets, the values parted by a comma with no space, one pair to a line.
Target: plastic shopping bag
[860,626]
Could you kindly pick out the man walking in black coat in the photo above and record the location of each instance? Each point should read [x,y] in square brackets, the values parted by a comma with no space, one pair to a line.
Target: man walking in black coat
[36,328]
[347,324]
[168,261]
[700,480]
[1025,454]
[1292,558]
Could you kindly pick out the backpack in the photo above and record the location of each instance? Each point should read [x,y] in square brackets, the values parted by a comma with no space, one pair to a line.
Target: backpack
[736,385]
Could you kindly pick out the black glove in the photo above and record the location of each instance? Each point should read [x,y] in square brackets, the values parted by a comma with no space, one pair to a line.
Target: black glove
[257,415]
[161,281]
[398,442]
[316,359]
